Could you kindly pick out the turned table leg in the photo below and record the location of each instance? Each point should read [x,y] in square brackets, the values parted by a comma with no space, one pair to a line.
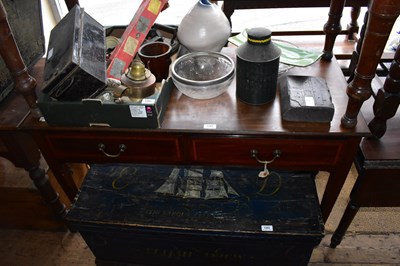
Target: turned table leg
[348,216]
[41,181]
[23,152]
[381,16]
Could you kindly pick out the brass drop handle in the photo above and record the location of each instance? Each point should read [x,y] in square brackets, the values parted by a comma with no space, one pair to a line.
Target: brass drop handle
[102,147]
[275,153]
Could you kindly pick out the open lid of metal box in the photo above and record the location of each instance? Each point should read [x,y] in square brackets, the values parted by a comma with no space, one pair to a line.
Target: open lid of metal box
[75,64]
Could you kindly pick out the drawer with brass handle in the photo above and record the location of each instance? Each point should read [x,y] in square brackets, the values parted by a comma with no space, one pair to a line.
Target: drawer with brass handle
[238,150]
[121,147]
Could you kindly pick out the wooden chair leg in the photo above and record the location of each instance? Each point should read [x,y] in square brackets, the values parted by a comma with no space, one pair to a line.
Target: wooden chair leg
[387,99]
[356,54]
[332,27]
[381,18]
[347,218]
[353,27]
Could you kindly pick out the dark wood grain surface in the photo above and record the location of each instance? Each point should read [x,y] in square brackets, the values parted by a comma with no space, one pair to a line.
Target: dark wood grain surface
[230,115]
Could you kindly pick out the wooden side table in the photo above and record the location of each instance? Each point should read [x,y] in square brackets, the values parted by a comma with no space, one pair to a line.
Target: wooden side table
[184,137]
[223,131]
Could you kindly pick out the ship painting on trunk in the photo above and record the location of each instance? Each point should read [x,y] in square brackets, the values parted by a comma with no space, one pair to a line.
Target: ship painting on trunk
[196,215]
[194,183]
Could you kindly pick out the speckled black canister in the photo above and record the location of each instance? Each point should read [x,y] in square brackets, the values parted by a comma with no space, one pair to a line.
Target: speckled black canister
[257,67]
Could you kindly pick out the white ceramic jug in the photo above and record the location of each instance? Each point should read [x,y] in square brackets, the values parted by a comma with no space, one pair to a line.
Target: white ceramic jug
[204,28]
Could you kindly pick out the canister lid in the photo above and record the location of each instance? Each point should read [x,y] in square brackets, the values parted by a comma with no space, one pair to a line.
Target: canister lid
[258,35]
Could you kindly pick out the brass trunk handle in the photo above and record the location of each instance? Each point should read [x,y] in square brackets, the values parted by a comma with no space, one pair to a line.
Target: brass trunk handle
[276,153]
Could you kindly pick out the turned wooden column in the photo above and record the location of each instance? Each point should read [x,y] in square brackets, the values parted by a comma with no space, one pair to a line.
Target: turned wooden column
[387,99]
[382,15]
[356,54]
[332,27]
[23,82]
[353,26]
[23,152]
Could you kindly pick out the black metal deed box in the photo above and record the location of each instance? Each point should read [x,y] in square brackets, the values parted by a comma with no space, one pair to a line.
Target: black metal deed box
[76,61]
[74,89]
[164,215]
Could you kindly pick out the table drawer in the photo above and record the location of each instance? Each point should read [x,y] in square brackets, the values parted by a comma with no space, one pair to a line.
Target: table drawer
[295,152]
[121,147]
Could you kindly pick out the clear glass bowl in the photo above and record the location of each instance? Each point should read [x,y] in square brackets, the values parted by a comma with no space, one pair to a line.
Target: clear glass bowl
[203,75]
